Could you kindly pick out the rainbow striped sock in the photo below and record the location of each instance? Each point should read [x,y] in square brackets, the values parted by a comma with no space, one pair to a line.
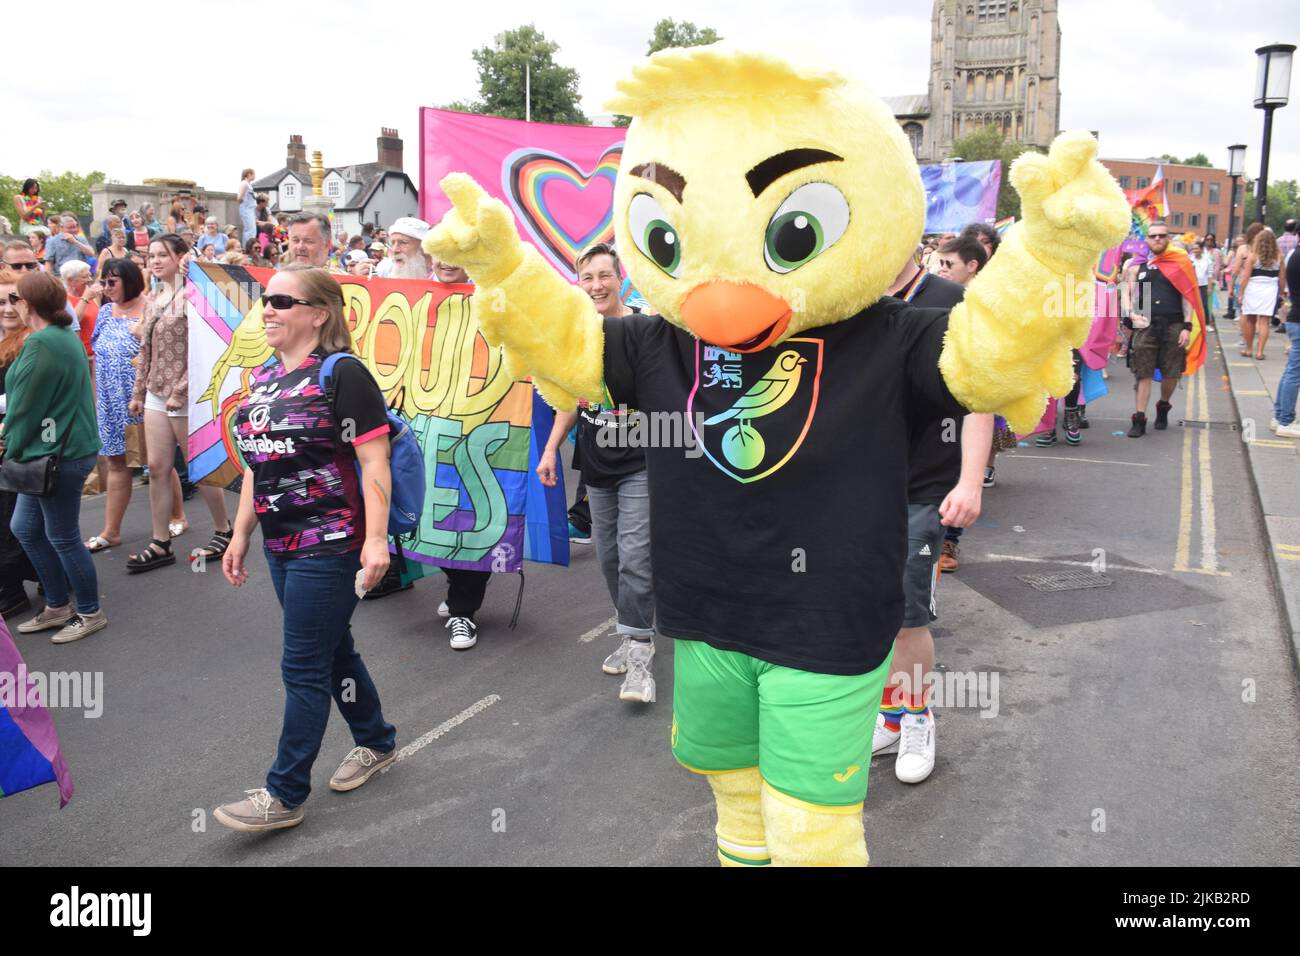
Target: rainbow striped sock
[892,712]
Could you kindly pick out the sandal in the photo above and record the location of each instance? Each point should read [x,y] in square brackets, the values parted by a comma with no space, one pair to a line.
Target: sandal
[177,528]
[218,545]
[155,556]
[99,543]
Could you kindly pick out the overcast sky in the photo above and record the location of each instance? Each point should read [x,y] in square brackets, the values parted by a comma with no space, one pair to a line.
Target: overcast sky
[1152,77]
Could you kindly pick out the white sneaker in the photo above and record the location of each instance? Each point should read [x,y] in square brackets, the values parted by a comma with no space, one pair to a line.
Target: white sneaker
[443,610]
[464,633]
[916,748]
[884,740]
[1288,431]
[639,684]
[616,663]
[1273,424]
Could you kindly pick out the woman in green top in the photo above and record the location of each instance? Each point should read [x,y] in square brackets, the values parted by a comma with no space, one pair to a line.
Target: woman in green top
[50,410]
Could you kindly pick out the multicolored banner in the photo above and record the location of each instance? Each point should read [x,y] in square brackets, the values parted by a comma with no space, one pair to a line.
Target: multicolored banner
[422,344]
[957,194]
[29,745]
[558,180]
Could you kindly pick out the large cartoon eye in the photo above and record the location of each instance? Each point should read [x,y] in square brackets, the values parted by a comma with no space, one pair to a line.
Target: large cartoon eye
[654,234]
[809,222]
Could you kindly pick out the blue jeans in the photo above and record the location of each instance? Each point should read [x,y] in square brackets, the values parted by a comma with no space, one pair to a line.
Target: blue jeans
[620,523]
[1289,387]
[49,529]
[320,661]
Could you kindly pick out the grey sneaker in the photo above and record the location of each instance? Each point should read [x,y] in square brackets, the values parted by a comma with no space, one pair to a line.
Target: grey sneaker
[81,625]
[48,618]
[259,812]
[358,766]
[616,663]
[639,683]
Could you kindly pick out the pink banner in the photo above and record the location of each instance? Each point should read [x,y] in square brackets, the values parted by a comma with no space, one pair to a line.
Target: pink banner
[558,180]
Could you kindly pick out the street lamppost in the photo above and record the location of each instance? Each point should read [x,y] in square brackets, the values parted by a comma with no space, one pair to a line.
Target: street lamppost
[1236,169]
[1272,87]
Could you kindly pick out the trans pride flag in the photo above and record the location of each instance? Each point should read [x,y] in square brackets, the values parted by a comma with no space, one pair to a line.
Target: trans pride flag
[29,745]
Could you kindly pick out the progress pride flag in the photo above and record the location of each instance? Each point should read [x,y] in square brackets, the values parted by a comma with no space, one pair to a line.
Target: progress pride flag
[558,180]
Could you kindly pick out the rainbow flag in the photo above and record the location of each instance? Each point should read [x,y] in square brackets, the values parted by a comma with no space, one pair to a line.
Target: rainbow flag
[29,745]
[1002,225]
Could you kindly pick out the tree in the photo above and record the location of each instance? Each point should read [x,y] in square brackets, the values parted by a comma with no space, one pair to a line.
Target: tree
[66,192]
[671,34]
[1283,203]
[989,143]
[1200,159]
[501,79]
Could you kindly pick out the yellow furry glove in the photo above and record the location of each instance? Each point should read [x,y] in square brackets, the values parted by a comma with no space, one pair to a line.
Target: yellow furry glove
[549,328]
[1008,343]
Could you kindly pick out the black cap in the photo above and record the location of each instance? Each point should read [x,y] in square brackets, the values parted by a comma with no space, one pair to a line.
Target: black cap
[117,202]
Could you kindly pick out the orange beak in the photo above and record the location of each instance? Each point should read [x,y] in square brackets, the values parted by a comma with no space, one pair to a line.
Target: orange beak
[743,318]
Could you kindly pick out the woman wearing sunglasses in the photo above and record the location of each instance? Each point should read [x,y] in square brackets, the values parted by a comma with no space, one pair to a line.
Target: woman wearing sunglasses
[323,531]
[49,411]
[162,395]
[15,566]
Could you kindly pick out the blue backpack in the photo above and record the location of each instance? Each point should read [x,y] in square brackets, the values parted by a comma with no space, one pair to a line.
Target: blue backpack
[407,462]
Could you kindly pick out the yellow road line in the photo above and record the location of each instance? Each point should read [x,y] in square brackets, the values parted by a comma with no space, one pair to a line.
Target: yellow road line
[1182,549]
[1271,443]
[1209,552]
[1288,557]
[1252,393]
[1288,547]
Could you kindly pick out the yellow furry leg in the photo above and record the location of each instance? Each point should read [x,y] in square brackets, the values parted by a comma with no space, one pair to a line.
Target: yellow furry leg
[740,819]
[804,834]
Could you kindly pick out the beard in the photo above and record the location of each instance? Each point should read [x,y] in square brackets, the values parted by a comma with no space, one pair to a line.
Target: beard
[416,267]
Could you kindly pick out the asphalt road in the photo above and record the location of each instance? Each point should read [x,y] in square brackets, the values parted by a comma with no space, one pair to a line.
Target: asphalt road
[1149,722]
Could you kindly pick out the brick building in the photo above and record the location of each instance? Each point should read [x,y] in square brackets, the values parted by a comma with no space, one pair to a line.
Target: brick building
[1199,196]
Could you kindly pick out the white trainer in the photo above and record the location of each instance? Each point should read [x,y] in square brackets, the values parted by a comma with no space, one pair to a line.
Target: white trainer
[639,684]
[616,663]
[915,748]
[443,610]
[1288,431]
[884,740]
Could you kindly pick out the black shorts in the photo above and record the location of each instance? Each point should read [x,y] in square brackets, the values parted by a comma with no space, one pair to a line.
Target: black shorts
[921,573]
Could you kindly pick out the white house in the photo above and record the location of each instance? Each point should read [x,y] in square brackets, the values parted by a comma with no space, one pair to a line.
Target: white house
[378,192]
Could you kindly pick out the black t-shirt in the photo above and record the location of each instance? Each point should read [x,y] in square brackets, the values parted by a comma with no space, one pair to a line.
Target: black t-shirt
[602,451]
[934,464]
[305,489]
[1155,296]
[783,535]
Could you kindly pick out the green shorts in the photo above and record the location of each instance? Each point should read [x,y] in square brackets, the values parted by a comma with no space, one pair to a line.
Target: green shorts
[808,734]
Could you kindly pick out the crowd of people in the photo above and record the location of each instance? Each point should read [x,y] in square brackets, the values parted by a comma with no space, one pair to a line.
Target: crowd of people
[94,360]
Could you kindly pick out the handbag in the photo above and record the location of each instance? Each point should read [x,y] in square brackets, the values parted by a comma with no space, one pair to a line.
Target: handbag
[38,477]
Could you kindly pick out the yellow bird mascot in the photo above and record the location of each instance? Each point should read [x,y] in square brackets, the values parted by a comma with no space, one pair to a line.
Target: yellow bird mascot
[762,210]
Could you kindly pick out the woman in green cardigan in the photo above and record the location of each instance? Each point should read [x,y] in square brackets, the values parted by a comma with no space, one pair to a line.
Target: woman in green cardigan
[51,411]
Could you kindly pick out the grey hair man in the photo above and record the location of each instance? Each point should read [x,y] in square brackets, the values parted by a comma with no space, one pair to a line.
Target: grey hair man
[408,260]
[309,239]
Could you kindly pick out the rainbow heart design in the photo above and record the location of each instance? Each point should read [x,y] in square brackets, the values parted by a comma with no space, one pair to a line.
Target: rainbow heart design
[563,208]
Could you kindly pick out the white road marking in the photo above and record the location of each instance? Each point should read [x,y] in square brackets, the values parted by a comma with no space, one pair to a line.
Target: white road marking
[598,630]
[1091,461]
[1071,564]
[425,739]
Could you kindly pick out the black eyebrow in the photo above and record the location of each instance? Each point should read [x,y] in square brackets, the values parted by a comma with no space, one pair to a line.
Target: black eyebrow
[665,176]
[774,167]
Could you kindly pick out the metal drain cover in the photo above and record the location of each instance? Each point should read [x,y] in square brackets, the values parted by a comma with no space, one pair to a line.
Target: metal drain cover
[1066,581]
